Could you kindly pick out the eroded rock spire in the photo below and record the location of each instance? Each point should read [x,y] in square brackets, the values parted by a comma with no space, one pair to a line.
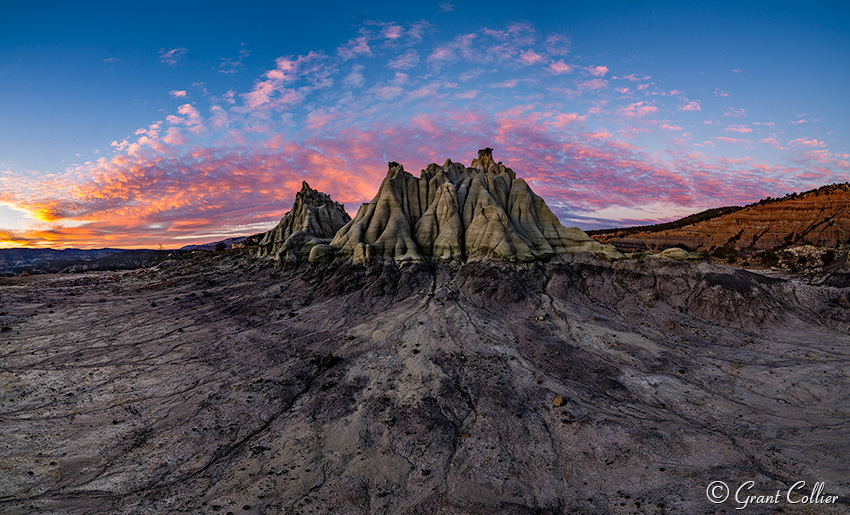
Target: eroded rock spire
[455,213]
[314,219]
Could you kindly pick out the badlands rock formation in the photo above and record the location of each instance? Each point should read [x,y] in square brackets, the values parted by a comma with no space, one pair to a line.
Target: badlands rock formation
[455,213]
[314,219]
[819,217]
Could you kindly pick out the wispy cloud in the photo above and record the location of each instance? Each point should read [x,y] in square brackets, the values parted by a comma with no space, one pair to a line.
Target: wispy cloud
[172,57]
[178,93]
[230,65]
[354,48]
[405,61]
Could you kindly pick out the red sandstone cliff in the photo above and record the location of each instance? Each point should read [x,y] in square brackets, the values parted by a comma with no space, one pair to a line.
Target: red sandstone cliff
[819,217]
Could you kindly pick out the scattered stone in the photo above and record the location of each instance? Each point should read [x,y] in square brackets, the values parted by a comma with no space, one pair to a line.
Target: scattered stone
[558,401]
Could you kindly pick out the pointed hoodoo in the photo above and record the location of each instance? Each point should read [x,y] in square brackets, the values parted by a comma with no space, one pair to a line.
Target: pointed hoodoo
[313,220]
[454,213]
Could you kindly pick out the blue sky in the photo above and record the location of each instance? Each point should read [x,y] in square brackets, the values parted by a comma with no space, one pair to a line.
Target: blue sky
[166,123]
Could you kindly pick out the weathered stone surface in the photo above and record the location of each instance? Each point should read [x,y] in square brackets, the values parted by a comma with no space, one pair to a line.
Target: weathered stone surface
[455,213]
[334,390]
[314,219]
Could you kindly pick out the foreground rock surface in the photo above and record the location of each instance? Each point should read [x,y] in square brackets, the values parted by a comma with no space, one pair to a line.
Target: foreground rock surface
[455,213]
[215,385]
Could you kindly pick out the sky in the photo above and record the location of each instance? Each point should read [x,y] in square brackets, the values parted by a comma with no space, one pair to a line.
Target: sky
[161,123]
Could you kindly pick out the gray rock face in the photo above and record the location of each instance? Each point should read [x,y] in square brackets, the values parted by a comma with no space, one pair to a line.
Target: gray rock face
[455,213]
[313,220]
[217,384]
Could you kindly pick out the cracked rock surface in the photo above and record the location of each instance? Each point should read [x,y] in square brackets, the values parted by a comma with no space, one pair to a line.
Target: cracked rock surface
[216,383]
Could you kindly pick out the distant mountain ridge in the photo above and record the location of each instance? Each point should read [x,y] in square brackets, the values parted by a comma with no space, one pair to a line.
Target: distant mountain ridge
[17,260]
[819,217]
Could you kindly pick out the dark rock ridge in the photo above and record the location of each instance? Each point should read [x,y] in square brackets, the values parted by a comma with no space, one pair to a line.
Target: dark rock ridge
[456,213]
[314,219]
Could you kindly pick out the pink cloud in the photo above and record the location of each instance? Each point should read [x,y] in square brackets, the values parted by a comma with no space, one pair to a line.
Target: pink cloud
[392,32]
[354,48]
[725,139]
[637,109]
[634,78]
[468,95]
[564,120]
[405,61]
[592,84]
[510,84]
[802,142]
[355,77]
[558,44]
[735,112]
[742,129]
[172,57]
[598,71]
[693,105]
[668,127]
[559,67]
[178,93]
[642,87]
[530,57]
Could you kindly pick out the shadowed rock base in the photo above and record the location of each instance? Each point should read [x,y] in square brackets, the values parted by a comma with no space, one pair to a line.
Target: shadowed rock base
[216,385]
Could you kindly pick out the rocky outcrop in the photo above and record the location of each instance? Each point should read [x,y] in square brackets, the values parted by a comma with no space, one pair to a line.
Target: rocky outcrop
[313,220]
[455,213]
[819,217]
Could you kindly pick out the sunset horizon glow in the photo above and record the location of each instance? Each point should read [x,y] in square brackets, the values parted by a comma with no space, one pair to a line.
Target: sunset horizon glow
[183,127]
